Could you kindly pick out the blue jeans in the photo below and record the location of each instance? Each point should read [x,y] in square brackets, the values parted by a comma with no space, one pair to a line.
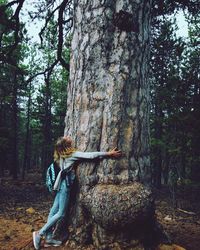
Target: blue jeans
[58,209]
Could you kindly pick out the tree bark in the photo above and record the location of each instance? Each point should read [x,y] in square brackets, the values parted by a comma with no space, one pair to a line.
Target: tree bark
[108,106]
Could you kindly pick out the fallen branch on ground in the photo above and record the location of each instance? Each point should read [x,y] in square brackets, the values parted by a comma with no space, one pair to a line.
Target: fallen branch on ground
[186,212]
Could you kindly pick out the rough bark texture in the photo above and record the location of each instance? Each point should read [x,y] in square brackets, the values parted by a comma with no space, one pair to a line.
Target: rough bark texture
[108,106]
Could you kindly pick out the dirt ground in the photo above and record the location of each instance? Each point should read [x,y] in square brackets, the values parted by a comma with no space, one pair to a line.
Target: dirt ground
[24,206]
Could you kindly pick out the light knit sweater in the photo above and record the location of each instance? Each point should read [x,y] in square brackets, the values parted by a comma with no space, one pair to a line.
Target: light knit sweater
[68,163]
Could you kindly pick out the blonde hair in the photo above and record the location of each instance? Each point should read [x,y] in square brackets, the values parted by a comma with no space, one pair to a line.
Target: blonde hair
[63,148]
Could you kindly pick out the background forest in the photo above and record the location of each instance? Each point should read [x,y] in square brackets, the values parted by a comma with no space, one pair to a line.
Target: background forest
[34,77]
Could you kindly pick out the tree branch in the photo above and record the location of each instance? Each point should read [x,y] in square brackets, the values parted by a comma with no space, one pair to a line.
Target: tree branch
[46,22]
[11,3]
[60,35]
[49,69]
[12,23]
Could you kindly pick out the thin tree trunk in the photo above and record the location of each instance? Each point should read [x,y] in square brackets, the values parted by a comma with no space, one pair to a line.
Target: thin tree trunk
[27,139]
[29,157]
[157,164]
[165,170]
[3,131]
[47,126]
[14,167]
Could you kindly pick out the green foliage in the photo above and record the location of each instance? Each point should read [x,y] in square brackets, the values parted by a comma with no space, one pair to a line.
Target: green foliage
[33,108]
[175,98]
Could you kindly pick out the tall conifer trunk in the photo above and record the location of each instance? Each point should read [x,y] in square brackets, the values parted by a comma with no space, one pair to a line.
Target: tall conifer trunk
[108,106]
[14,166]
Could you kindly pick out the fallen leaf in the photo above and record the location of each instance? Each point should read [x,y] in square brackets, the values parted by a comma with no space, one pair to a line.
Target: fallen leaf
[30,210]
[19,208]
[170,247]
[167,218]
[176,247]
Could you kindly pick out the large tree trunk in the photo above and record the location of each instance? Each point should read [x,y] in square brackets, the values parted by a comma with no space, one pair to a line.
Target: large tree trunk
[108,106]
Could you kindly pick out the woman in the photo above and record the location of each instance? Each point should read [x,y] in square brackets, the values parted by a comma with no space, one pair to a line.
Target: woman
[66,157]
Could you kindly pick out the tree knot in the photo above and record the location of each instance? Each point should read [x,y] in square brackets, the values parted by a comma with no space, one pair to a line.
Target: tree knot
[126,21]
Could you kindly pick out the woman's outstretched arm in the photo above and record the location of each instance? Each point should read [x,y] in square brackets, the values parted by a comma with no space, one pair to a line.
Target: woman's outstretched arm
[93,155]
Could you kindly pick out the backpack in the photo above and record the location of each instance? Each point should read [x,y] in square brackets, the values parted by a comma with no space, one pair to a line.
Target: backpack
[51,175]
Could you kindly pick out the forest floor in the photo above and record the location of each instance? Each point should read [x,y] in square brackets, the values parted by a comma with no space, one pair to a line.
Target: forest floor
[24,206]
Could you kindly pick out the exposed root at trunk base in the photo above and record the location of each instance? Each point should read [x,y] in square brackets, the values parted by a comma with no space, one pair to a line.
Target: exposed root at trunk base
[118,217]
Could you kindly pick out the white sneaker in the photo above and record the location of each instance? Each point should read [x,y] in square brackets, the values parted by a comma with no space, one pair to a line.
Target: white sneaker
[52,242]
[36,240]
